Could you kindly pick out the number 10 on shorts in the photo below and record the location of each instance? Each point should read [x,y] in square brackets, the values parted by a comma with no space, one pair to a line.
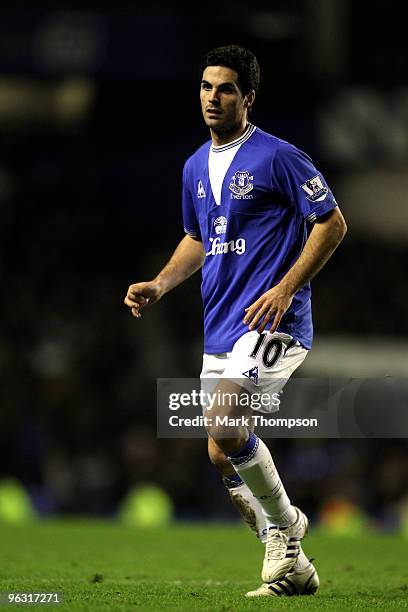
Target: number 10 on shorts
[271,351]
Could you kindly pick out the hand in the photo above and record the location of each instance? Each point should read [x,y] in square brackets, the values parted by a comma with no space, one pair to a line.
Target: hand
[275,301]
[140,295]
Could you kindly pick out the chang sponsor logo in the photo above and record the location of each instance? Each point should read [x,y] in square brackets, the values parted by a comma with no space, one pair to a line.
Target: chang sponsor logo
[232,246]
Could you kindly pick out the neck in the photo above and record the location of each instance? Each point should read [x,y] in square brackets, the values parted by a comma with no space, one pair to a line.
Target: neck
[220,138]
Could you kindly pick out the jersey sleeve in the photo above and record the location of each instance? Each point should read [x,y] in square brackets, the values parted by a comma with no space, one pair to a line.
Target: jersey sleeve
[298,179]
[190,221]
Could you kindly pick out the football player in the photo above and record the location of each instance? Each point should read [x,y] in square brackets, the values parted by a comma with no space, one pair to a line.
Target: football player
[260,221]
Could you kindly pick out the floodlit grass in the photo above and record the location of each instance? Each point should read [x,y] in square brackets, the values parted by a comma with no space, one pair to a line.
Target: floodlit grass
[104,566]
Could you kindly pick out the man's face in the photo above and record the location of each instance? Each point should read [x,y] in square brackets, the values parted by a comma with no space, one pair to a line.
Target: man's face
[222,103]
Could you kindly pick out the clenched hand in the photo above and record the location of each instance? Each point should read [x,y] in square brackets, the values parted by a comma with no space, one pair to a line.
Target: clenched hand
[140,295]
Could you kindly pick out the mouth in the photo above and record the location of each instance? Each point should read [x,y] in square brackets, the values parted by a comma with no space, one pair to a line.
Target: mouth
[213,112]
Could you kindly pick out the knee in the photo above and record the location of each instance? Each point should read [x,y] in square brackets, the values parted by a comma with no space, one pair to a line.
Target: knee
[218,457]
[225,439]
[219,450]
[226,443]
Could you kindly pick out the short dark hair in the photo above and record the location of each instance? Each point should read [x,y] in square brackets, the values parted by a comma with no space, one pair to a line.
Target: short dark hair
[239,59]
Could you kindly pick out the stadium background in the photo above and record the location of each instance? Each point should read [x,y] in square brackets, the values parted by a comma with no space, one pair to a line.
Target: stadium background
[98,111]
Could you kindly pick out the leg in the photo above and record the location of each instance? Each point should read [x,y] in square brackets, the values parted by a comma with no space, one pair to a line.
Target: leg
[228,427]
[248,455]
[247,505]
[218,450]
[303,580]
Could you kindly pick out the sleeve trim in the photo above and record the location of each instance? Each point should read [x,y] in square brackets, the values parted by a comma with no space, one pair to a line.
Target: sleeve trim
[192,233]
[320,212]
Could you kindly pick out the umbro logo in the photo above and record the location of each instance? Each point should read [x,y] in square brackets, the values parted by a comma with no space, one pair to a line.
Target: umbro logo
[200,190]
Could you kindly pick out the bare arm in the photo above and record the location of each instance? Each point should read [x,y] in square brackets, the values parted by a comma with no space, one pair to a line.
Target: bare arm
[324,238]
[186,259]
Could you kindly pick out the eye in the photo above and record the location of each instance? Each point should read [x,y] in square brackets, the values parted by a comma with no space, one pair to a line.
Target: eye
[205,86]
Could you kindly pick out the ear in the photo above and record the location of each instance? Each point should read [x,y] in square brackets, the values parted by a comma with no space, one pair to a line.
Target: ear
[249,99]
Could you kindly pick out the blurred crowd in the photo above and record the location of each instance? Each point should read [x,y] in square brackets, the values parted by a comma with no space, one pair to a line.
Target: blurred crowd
[78,372]
[91,204]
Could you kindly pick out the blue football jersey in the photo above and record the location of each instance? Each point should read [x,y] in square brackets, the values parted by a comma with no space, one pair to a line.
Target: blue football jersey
[253,237]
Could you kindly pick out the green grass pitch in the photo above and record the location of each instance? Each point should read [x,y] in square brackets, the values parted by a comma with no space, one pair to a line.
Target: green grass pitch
[105,566]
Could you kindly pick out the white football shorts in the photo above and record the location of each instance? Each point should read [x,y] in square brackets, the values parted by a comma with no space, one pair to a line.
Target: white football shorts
[260,363]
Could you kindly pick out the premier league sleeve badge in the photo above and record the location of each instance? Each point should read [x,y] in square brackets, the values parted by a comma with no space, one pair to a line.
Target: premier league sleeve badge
[314,189]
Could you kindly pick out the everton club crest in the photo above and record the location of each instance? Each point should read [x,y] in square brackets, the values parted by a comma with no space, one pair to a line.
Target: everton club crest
[241,184]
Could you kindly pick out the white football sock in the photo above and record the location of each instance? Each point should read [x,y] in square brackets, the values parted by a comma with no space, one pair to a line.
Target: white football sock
[255,466]
[248,506]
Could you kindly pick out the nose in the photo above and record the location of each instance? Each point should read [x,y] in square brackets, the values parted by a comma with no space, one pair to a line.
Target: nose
[213,97]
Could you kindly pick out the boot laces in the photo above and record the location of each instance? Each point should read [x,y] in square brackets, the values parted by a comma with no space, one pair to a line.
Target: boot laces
[276,546]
